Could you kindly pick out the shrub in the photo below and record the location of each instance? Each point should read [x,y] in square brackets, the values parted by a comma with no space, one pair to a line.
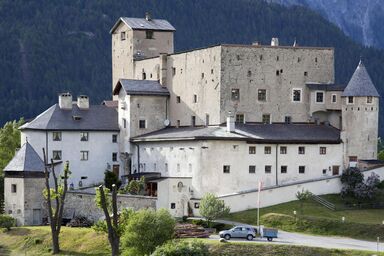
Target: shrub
[212,208]
[145,230]
[381,185]
[135,187]
[111,178]
[7,221]
[182,248]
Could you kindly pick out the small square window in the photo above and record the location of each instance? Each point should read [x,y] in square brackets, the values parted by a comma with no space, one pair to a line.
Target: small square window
[267,150]
[266,119]
[56,154]
[283,169]
[305,73]
[114,157]
[287,119]
[13,188]
[324,171]
[84,155]
[197,205]
[296,95]
[369,99]
[56,136]
[301,169]
[240,118]
[268,169]
[283,150]
[252,169]
[235,94]
[301,150]
[226,168]
[323,150]
[350,99]
[178,99]
[142,124]
[252,150]
[83,136]
[114,138]
[319,97]
[262,95]
[334,98]
[173,205]
[122,36]
[149,34]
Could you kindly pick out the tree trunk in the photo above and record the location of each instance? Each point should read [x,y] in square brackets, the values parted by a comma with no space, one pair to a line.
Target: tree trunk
[115,246]
[55,243]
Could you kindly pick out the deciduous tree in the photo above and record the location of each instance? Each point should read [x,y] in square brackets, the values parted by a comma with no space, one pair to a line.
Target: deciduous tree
[212,208]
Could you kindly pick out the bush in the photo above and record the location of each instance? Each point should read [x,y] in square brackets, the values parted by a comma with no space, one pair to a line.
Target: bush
[7,221]
[182,248]
[111,178]
[145,230]
[212,208]
[381,185]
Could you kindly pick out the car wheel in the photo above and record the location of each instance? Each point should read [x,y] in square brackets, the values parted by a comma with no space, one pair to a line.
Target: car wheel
[227,237]
[269,239]
[250,237]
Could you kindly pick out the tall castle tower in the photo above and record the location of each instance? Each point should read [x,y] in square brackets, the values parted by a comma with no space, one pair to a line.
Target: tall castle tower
[360,117]
[135,39]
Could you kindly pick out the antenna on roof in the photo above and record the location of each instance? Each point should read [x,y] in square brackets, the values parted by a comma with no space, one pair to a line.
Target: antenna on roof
[295,43]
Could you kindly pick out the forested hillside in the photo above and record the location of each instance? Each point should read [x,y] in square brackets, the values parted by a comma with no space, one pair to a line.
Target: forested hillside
[49,46]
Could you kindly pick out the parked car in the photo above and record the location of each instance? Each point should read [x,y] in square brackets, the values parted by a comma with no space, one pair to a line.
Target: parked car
[238,232]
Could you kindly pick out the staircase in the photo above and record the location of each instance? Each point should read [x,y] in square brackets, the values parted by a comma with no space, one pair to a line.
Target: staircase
[323,202]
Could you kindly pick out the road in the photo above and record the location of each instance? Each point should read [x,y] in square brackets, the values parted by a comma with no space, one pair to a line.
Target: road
[335,242]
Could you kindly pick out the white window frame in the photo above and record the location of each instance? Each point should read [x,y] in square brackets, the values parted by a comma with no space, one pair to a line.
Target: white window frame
[145,123]
[301,95]
[84,155]
[319,102]
[347,100]
[270,118]
[266,95]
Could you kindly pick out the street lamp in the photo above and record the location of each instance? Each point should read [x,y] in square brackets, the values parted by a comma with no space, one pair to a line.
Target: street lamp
[343,219]
[294,213]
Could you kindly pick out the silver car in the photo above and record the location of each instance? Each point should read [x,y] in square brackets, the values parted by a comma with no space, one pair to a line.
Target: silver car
[239,232]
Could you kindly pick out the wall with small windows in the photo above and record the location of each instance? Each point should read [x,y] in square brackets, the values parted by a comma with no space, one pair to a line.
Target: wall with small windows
[89,152]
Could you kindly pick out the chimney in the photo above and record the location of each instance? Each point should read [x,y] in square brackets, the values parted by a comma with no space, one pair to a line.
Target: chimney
[275,41]
[83,102]
[230,122]
[148,16]
[256,43]
[65,100]
[163,69]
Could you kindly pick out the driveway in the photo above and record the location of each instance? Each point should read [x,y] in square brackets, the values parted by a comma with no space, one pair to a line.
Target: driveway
[334,242]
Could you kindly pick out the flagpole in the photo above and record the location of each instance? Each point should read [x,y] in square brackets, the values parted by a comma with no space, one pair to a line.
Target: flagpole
[258,206]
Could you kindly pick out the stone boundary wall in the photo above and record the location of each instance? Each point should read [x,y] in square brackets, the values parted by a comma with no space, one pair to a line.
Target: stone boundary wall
[83,204]
[286,193]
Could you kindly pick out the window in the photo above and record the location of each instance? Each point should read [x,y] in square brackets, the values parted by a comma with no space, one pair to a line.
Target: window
[114,157]
[350,100]
[177,99]
[202,75]
[144,76]
[283,169]
[142,124]
[56,136]
[301,169]
[296,95]
[305,73]
[369,99]
[194,98]
[83,155]
[267,150]
[13,188]
[252,150]
[319,97]
[166,167]
[177,123]
[173,205]
[334,98]
[252,169]
[83,136]
[122,36]
[173,71]
[56,154]
[287,119]
[206,119]
[235,94]
[323,150]
[301,150]
[114,138]
[124,123]
[193,120]
[268,168]
[283,150]
[266,119]
[226,168]
[262,95]
[239,118]
[197,205]
[149,34]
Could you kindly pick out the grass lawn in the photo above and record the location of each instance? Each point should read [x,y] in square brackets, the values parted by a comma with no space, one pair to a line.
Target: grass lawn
[322,220]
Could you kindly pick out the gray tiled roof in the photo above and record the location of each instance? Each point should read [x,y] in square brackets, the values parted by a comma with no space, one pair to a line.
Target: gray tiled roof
[360,84]
[141,23]
[96,118]
[25,160]
[326,87]
[141,87]
[263,133]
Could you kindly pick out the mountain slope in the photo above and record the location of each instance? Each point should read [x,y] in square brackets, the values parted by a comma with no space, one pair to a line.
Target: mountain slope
[48,46]
[360,19]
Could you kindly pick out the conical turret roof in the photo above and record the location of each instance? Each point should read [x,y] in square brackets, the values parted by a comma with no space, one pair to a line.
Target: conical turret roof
[25,160]
[360,84]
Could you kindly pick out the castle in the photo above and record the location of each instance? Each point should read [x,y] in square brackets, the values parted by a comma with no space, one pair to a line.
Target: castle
[217,119]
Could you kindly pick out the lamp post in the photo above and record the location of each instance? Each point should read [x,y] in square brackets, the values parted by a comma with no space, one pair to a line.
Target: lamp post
[343,219]
[294,213]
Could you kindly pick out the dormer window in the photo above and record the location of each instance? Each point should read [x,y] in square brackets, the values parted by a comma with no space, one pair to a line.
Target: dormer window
[369,99]
[149,34]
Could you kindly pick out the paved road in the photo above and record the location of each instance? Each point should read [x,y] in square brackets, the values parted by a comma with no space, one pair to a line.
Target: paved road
[314,241]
